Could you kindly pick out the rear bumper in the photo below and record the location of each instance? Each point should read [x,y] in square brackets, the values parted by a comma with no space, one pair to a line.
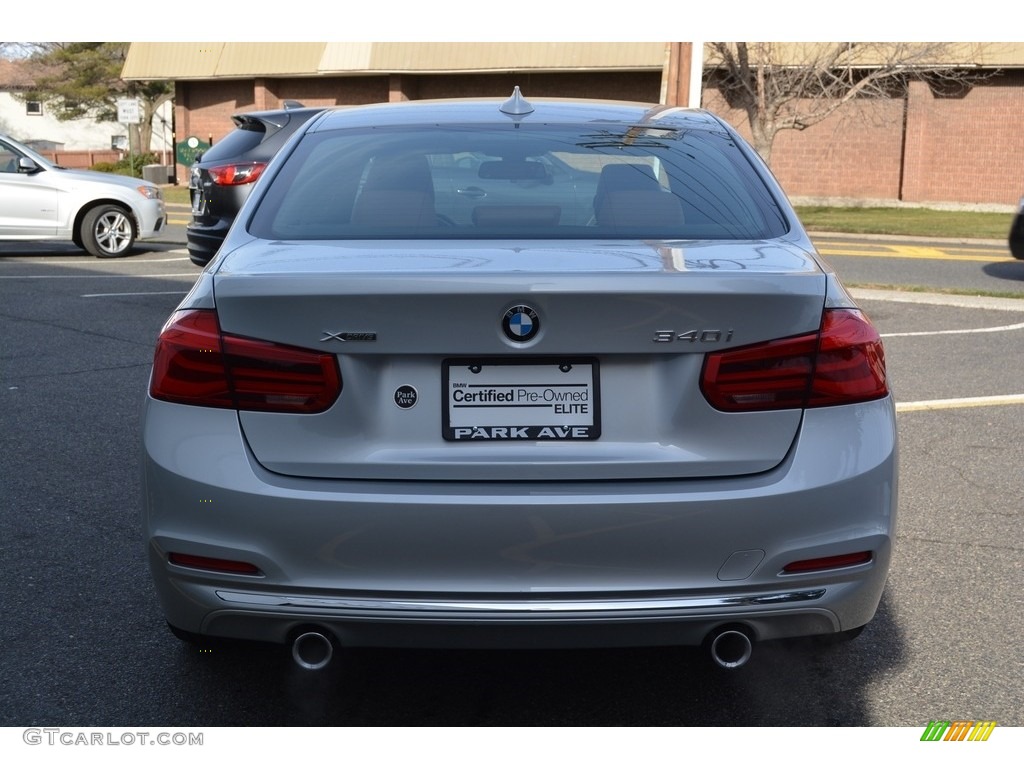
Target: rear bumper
[415,622]
[518,565]
[204,241]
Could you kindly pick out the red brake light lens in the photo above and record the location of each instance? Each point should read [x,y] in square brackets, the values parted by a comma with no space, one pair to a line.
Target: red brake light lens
[233,174]
[841,364]
[851,361]
[196,364]
[824,563]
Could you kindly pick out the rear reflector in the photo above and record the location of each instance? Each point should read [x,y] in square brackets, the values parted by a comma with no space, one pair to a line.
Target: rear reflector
[841,364]
[824,563]
[196,364]
[212,564]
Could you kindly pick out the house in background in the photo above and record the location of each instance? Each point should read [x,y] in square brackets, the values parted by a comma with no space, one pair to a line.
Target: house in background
[31,122]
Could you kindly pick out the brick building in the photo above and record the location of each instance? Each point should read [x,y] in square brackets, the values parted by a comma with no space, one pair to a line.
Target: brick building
[916,148]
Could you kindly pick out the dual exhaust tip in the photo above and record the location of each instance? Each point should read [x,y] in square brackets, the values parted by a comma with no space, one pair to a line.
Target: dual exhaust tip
[730,648]
[313,650]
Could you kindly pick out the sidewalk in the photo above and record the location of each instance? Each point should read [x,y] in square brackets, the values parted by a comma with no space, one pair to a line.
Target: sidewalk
[942,299]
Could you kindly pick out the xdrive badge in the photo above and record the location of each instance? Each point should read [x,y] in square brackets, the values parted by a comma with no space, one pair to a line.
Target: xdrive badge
[348,336]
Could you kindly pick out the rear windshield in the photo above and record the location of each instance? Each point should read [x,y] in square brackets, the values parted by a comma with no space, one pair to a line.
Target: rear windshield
[532,181]
[241,140]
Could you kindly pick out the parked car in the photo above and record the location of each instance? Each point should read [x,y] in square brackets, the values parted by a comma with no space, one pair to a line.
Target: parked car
[1016,238]
[509,373]
[220,181]
[102,213]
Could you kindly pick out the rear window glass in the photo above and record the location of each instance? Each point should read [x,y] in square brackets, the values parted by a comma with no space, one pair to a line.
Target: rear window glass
[236,143]
[531,181]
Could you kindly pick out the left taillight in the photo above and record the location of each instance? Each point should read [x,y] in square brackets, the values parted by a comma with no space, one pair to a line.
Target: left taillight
[234,174]
[842,363]
[196,364]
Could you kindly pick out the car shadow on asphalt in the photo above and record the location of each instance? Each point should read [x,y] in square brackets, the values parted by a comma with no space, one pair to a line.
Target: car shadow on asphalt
[786,683]
[36,249]
[1005,270]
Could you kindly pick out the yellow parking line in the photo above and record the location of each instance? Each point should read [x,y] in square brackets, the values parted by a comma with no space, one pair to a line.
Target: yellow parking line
[914,253]
[959,402]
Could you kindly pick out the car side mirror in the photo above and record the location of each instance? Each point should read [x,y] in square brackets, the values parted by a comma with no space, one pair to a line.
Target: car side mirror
[27,165]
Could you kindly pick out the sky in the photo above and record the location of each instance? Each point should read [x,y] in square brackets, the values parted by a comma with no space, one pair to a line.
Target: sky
[538,21]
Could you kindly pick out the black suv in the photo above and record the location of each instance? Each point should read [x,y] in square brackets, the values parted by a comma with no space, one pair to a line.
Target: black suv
[1017,232]
[221,178]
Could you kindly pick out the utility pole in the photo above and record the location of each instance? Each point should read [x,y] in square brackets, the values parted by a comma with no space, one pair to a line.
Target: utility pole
[680,83]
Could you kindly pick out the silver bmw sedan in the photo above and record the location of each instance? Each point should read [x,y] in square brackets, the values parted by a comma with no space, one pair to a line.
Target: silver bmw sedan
[518,373]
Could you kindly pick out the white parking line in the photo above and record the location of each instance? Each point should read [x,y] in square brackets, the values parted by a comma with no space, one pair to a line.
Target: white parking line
[959,402]
[135,293]
[86,277]
[78,262]
[957,331]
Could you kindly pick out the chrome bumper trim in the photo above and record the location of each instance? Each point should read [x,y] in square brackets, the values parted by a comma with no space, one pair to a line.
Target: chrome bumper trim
[379,605]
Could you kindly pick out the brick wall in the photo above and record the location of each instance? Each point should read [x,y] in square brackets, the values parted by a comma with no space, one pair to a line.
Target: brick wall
[82,159]
[204,109]
[966,147]
[622,86]
[853,153]
[328,92]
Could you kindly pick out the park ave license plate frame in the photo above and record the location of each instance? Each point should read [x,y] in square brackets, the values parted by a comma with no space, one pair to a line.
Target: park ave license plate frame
[502,399]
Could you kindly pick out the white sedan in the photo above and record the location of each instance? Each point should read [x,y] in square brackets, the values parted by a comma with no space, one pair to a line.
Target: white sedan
[103,213]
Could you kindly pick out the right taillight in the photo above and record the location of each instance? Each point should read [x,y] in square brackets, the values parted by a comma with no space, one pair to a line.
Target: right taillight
[196,364]
[843,363]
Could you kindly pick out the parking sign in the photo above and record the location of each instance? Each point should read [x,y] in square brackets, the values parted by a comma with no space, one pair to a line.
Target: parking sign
[128,111]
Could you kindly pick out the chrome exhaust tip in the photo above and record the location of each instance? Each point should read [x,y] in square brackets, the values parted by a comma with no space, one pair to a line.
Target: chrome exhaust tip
[731,648]
[312,650]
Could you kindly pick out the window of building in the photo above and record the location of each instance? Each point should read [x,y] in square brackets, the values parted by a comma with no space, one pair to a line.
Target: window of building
[33,107]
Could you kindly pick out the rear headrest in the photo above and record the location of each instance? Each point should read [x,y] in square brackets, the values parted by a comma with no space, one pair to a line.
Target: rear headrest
[631,208]
[409,173]
[624,176]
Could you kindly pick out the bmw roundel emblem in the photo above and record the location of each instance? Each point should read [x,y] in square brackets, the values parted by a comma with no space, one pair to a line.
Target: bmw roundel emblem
[520,323]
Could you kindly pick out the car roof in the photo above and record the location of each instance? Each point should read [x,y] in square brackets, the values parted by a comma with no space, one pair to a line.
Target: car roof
[541,110]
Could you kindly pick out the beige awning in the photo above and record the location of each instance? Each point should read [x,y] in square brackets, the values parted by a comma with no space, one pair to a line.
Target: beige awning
[195,61]
[341,58]
[923,54]
[192,61]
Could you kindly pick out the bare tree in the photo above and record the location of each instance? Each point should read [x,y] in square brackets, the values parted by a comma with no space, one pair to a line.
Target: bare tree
[24,50]
[791,86]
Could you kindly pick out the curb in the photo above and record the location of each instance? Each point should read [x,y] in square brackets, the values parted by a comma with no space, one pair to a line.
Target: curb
[999,243]
[942,299]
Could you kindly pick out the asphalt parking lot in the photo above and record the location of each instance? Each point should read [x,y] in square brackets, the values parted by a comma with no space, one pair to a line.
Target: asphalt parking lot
[83,640]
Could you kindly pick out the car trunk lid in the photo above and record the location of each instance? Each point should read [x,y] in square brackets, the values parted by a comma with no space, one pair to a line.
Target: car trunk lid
[620,332]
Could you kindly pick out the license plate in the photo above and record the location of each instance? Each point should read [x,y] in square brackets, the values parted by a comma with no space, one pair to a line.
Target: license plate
[529,399]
